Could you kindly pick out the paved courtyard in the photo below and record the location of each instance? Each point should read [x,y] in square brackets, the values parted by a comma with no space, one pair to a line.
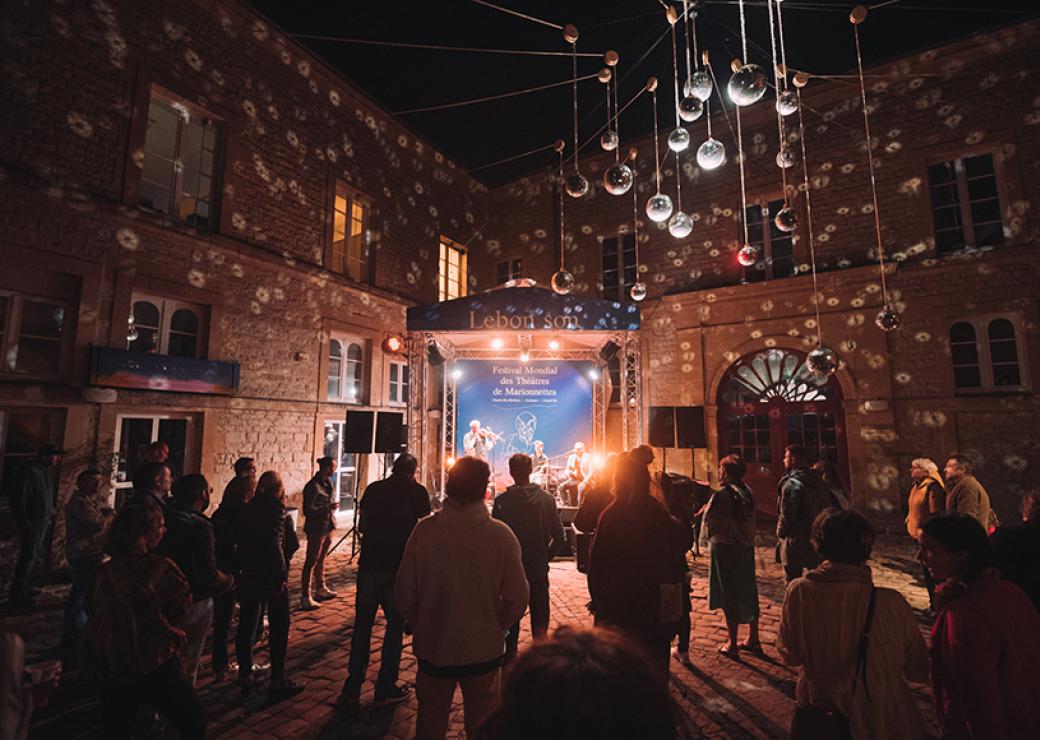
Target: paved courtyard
[719,697]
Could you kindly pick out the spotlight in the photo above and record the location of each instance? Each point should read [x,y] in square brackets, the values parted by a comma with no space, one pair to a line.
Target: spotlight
[554,345]
[449,462]
[593,374]
[456,374]
[524,357]
[609,351]
[597,461]
[394,344]
[434,354]
[496,343]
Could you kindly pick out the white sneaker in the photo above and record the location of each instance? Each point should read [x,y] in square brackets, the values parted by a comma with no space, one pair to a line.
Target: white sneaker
[323,594]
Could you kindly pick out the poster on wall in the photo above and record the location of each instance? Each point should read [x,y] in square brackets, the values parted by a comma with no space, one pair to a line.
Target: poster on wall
[522,402]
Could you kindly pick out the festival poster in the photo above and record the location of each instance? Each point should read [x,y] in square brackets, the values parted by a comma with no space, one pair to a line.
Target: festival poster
[549,401]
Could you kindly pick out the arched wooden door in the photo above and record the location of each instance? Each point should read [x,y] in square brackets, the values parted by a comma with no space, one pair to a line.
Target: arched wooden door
[769,400]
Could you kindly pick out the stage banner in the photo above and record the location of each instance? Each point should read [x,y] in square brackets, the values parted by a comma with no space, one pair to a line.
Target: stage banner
[525,401]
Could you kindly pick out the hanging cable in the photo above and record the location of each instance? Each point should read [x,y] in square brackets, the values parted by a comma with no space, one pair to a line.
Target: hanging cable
[808,219]
[439,47]
[489,98]
[779,117]
[518,14]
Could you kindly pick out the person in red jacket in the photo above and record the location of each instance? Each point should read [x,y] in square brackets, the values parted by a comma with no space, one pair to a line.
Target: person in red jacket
[986,637]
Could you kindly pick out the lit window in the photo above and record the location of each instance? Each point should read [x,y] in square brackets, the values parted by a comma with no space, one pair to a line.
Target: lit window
[346,370]
[32,334]
[397,393]
[346,471]
[775,374]
[986,355]
[164,326]
[177,173]
[619,266]
[507,270]
[965,203]
[775,247]
[453,273]
[349,255]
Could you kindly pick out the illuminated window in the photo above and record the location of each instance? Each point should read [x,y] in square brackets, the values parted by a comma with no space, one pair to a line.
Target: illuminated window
[619,266]
[32,334]
[346,369]
[965,203]
[507,270]
[180,157]
[397,392]
[775,247]
[167,327]
[986,355]
[775,374]
[349,254]
[453,273]
[346,471]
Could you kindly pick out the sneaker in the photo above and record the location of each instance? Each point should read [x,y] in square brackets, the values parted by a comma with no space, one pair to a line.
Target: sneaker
[283,689]
[396,695]
[308,604]
[682,656]
[322,594]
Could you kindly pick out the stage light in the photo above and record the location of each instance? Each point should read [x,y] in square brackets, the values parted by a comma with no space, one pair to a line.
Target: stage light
[456,374]
[449,462]
[394,344]
[434,354]
[554,345]
[597,461]
[593,374]
[496,343]
[609,351]
[524,357]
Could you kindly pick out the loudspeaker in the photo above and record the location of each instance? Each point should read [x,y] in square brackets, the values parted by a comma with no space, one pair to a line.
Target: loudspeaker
[662,426]
[357,433]
[689,427]
[388,431]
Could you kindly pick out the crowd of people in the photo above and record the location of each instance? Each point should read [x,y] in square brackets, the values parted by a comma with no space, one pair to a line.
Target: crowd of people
[152,582]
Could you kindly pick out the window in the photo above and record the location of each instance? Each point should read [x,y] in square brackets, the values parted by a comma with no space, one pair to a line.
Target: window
[507,270]
[453,272]
[619,266]
[349,234]
[775,374]
[166,327]
[346,472]
[985,354]
[22,432]
[346,369]
[32,334]
[775,247]
[749,437]
[965,203]
[397,393]
[136,433]
[180,155]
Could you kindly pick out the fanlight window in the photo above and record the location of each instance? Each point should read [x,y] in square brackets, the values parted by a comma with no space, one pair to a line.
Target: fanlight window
[774,374]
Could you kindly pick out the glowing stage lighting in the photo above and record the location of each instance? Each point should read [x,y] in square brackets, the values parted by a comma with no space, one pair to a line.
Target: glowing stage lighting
[524,357]
[554,345]
[394,344]
[496,343]
[456,374]
[593,374]
[449,462]
[597,461]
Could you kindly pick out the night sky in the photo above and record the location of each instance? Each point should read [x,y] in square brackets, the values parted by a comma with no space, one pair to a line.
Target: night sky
[818,38]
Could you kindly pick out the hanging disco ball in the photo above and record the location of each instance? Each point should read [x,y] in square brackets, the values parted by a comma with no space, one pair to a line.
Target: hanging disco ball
[659,207]
[786,219]
[680,225]
[822,362]
[748,255]
[618,179]
[690,108]
[698,85]
[887,319]
[562,282]
[608,140]
[711,154]
[637,291]
[678,139]
[785,158]
[576,185]
[747,85]
[786,102]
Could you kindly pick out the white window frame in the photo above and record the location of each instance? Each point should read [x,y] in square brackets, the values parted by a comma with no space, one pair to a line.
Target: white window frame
[981,325]
[11,333]
[444,284]
[191,457]
[341,469]
[354,269]
[401,382]
[345,341]
[167,308]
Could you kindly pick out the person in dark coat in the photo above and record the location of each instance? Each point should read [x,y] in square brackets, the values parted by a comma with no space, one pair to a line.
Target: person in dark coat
[32,503]
[1017,548]
[227,523]
[319,522]
[266,544]
[637,568]
[801,495]
[531,513]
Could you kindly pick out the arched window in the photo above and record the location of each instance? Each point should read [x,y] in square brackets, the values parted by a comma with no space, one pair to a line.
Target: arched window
[774,374]
[167,327]
[354,368]
[967,370]
[146,319]
[346,369]
[184,333]
[335,367]
[986,355]
[1003,353]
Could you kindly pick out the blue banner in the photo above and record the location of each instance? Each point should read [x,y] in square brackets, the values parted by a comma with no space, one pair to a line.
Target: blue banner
[522,402]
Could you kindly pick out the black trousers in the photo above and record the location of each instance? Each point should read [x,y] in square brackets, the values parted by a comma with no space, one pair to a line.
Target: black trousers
[223,609]
[277,638]
[539,605]
[166,690]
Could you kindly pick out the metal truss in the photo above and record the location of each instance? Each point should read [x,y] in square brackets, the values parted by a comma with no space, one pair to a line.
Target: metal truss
[418,381]
[631,390]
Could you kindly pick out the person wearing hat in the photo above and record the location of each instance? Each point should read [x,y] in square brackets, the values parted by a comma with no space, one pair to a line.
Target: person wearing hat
[32,503]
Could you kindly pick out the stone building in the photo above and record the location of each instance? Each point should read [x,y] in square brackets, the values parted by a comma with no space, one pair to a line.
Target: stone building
[206,235]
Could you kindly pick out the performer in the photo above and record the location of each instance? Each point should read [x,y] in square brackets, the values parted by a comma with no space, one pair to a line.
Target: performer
[579,467]
[540,465]
[478,441]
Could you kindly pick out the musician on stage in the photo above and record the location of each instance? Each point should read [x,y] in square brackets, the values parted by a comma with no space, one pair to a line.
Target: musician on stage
[579,467]
[538,460]
[478,441]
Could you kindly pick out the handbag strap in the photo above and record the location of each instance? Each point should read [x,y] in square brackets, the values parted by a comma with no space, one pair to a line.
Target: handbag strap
[864,644]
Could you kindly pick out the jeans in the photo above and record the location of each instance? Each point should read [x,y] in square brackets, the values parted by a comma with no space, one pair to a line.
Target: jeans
[314,564]
[196,625]
[435,694]
[539,604]
[84,570]
[277,639]
[30,549]
[165,690]
[375,588]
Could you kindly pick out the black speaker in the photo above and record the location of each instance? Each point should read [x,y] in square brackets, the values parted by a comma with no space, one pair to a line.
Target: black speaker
[662,426]
[689,427]
[388,431]
[358,432]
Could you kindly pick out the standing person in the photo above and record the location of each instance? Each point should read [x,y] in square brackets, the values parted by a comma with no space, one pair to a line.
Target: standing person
[856,645]
[1017,548]
[152,485]
[531,513]
[965,494]
[319,523]
[86,524]
[389,510]
[132,646]
[801,496]
[678,494]
[637,568]
[461,584]
[985,640]
[32,503]
[729,527]
[927,498]
[189,543]
[244,467]
[831,478]
[266,544]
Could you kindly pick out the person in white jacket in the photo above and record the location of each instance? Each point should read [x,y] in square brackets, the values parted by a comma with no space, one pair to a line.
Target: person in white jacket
[461,586]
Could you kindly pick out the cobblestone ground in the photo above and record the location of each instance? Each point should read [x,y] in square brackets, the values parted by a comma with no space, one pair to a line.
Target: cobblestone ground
[719,697]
